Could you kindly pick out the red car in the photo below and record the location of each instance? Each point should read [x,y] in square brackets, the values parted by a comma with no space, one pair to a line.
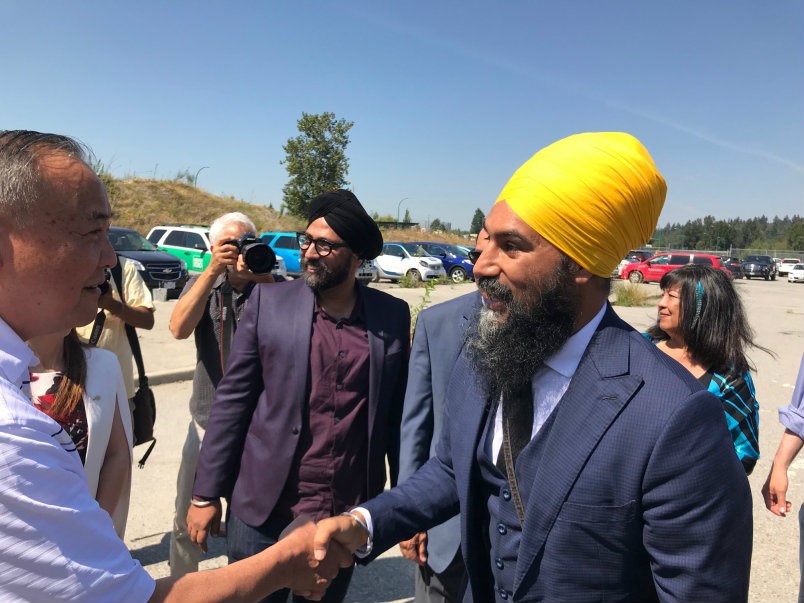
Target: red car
[653,269]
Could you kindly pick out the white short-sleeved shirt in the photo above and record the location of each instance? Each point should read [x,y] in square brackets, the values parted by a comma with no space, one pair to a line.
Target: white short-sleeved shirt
[113,337]
[56,543]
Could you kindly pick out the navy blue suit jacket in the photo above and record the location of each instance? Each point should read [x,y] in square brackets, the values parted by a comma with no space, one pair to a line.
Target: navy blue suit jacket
[437,342]
[256,417]
[638,495]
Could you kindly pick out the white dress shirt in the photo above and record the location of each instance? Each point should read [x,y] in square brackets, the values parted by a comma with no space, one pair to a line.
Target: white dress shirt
[56,543]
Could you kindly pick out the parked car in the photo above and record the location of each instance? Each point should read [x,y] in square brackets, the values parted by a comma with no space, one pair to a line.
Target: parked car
[400,259]
[367,272]
[285,246]
[786,264]
[796,274]
[654,268]
[632,257]
[191,244]
[454,258]
[735,265]
[157,268]
[761,266]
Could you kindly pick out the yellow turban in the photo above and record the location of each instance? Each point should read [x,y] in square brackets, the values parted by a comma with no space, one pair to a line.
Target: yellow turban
[594,196]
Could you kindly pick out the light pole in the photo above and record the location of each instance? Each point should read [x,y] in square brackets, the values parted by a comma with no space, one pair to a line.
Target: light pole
[398,205]
[195,180]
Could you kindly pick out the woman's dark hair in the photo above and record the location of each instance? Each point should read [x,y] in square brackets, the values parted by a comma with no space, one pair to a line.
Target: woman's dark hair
[71,390]
[712,319]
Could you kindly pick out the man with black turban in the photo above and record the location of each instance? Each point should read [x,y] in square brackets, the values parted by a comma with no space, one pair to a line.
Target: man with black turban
[310,403]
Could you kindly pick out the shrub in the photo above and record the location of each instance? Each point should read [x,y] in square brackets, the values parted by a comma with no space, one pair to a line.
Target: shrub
[630,294]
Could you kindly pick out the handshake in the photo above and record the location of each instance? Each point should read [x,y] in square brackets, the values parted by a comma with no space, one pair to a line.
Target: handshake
[308,556]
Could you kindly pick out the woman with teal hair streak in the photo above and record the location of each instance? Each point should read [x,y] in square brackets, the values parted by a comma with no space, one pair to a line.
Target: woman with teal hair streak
[702,325]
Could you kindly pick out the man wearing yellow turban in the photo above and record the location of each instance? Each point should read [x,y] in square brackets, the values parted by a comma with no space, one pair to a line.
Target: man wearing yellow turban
[584,465]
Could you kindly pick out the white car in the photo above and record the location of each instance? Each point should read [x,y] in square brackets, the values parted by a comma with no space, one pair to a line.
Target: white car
[796,274]
[787,264]
[400,259]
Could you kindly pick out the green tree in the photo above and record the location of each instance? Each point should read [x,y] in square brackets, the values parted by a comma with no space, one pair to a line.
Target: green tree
[795,236]
[477,222]
[407,219]
[436,225]
[315,160]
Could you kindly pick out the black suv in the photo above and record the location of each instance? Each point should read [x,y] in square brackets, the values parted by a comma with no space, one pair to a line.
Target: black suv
[157,268]
[761,266]
[734,265]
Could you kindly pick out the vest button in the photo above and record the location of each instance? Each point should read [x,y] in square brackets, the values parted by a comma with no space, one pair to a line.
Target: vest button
[506,494]
[295,431]
[499,563]
[502,529]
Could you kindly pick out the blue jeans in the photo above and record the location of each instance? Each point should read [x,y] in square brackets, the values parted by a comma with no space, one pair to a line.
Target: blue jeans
[244,541]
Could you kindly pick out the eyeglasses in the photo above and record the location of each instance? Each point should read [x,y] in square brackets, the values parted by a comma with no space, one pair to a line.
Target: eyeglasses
[474,255]
[322,246]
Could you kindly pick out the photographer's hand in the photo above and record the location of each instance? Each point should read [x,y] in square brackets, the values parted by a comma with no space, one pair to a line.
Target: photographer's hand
[223,254]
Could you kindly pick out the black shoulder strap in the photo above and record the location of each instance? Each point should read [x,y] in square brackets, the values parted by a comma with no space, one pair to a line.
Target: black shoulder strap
[131,332]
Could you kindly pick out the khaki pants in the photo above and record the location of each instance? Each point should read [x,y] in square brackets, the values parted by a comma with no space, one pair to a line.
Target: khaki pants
[184,554]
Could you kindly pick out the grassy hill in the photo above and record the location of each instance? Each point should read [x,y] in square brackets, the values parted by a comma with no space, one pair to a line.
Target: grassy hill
[141,204]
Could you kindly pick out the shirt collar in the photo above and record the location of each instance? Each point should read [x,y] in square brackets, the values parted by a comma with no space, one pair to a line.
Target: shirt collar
[566,360]
[15,356]
[356,317]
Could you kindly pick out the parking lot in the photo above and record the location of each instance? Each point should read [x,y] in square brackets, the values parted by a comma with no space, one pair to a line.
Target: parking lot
[775,310]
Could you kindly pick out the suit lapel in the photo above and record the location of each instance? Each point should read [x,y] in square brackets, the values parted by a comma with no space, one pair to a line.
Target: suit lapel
[599,390]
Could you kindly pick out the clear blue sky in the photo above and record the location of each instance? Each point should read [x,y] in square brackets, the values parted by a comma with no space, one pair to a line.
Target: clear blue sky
[448,97]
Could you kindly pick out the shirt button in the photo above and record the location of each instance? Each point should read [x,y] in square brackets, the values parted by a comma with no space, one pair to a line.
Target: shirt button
[339,387]
[295,431]
[503,594]
[502,529]
[341,354]
[506,494]
[499,563]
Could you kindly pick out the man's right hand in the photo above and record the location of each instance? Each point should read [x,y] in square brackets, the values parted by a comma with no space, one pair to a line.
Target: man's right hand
[223,255]
[203,521]
[343,530]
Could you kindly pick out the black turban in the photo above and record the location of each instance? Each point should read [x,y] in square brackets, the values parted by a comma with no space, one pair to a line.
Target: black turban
[346,216]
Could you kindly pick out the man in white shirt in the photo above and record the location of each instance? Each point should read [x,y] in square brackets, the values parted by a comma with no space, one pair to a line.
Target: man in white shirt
[585,466]
[57,544]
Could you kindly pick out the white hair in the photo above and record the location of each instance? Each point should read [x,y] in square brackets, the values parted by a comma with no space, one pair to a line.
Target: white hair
[225,220]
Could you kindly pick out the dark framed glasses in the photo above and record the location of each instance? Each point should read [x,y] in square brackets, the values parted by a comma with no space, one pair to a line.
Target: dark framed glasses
[322,246]
[474,255]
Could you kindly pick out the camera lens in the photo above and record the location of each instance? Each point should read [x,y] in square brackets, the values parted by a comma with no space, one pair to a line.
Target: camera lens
[259,258]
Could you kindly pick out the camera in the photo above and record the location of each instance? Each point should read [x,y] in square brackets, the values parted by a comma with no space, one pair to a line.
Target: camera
[258,256]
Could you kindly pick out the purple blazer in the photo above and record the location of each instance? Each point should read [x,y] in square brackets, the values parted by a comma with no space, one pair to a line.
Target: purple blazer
[256,417]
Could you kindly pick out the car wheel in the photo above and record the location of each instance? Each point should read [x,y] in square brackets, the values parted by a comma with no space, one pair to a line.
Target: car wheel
[773,277]
[767,277]
[415,276]
[748,277]
[636,277]
[457,274]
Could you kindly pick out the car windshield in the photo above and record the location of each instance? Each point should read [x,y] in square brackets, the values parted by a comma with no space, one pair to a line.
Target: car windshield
[454,250]
[415,250]
[130,241]
[758,258]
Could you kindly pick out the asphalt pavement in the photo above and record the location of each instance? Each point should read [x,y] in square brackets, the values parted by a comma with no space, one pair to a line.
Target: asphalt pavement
[775,310]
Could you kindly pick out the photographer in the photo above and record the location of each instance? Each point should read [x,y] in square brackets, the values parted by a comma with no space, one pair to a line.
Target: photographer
[210,306]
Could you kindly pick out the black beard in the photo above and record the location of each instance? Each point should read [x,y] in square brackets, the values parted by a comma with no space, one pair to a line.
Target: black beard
[324,277]
[507,351]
